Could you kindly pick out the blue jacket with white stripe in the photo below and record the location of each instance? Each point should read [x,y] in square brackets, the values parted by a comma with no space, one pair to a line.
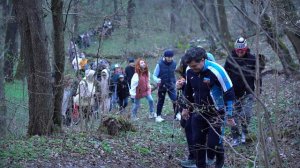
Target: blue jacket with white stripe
[210,90]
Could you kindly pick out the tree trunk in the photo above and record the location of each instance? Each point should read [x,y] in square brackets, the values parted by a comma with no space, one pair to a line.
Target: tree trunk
[59,60]
[10,46]
[295,40]
[20,71]
[211,13]
[130,12]
[288,15]
[200,7]
[248,27]
[172,16]
[34,44]
[282,51]
[224,31]
[76,18]
[3,110]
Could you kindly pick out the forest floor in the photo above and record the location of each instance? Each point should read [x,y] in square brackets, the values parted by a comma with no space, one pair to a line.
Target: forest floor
[152,145]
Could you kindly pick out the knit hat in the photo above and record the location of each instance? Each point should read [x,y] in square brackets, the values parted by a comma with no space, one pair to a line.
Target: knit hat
[130,60]
[168,53]
[240,43]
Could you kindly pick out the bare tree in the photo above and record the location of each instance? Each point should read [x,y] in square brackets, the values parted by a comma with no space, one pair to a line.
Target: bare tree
[172,16]
[76,17]
[200,6]
[59,60]
[278,46]
[130,12]
[224,31]
[34,45]
[11,45]
[3,109]
[287,14]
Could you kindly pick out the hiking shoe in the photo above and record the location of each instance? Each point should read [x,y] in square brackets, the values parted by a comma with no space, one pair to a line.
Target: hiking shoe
[210,162]
[243,138]
[188,163]
[159,119]
[134,119]
[235,142]
[178,117]
[152,115]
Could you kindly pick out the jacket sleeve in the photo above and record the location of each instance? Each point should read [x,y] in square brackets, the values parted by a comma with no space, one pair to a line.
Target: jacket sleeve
[188,94]
[134,84]
[228,92]
[156,73]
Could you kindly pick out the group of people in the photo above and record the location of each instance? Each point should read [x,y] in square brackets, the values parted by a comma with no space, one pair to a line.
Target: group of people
[214,96]
[207,95]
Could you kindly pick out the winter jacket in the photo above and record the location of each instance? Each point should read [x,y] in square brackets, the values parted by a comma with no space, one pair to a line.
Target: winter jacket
[129,71]
[210,89]
[164,73]
[247,65]
[140,86]
[122,89]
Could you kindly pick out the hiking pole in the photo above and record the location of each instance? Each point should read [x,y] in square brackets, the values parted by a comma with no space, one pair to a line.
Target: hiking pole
[173,127]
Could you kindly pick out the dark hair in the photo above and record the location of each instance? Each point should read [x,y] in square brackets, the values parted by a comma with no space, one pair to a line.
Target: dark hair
[195,54]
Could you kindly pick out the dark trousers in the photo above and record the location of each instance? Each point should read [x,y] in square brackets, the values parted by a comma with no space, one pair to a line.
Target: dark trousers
[187,125]
[123,102]
[161,98]
[202,131]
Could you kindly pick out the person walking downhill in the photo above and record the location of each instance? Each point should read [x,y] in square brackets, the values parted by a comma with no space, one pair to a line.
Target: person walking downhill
[244,61]
[164,76]
[140,88]
[210,97]
[123,93]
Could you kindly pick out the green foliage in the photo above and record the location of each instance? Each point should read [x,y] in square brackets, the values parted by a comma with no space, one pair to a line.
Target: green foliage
[106,147]
[142,150]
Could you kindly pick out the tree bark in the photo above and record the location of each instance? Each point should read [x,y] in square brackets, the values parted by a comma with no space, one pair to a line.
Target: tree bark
[76,18]
[172,16]
[224,31]
[282,51]
[288,15]
[59,60]
[34,44]
[3,110]
[295,40]
[10,46]
[200,7]
[130,12]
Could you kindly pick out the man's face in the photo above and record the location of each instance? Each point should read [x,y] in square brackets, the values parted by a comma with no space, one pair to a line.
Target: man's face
[240,52]
[169,59]
[196,67]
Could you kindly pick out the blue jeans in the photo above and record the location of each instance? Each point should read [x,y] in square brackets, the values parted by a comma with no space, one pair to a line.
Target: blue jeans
[136,106]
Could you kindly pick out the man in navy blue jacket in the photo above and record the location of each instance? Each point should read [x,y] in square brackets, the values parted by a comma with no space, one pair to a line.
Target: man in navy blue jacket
[164,76]
[210,98]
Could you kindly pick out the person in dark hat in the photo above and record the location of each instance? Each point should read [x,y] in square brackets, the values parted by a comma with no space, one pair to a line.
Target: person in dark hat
[129,70]
[164,76]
